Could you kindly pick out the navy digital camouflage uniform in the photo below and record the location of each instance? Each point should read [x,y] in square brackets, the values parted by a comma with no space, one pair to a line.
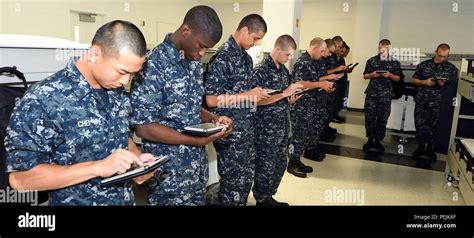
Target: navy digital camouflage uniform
[62,120]
[428,98]
[326,99]
[340,85]
[378,96]
[307,115]
[332,63]
[272,125]
[230,72]
[169,91]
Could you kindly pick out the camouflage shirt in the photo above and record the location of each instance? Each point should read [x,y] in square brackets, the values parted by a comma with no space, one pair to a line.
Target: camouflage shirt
[324,66]
[381,85]
[169,91]
[267,75]
[429,69]
[62,120]
[334,61]
[306,69]
[230,72]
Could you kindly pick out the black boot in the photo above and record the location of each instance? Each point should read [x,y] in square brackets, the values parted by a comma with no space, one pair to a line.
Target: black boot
[272,202]
[430,152]
[331,130]
[379,147]
[314,155]
[420,150]
[369,144]
[294,169]
[305,168]
[327,136]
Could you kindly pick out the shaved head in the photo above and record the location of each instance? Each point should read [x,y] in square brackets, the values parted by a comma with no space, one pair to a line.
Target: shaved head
[118,36]
[284,42]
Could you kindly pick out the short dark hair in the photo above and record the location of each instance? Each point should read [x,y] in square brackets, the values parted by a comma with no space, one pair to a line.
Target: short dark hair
[285,41]
[337,39]
[117,35]
[385,42]
[204,20]
[345,45]
[329,42]
[254,23]
[443,46]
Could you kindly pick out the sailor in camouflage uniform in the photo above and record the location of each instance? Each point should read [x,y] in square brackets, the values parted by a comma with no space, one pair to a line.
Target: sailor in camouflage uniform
[72,128]
[379,94]
[337,64]
[230,91]
[306,114]
[167,97]
[431,76]
[272,122]
[323,108]
[326,64]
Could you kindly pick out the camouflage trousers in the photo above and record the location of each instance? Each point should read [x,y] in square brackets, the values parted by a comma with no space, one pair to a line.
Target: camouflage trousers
[377,110]
[271,157]
[195,198]
[426,118]
[236,164]
[340,95]
[307,123]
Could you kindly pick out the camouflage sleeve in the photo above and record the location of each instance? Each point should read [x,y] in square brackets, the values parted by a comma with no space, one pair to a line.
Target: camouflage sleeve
[454,73]
[397,70]
[300,72]
[418,73]
[343,61]
[258,75]
[216,77]
[147,95]
[30,138]
[368,67]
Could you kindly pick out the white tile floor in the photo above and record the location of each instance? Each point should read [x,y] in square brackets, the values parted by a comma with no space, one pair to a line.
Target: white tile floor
[341,180]
[380,184]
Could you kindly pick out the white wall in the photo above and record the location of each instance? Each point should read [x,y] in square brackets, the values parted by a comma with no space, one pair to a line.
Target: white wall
[325,19]
[281,17]
[52,17]
[230,18]
[367,31]
[407,23]
[427,23]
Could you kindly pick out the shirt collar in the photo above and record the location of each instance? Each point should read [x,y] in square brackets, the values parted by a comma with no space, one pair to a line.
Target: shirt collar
[269,61]
[80,86]
[233,44]
[173,53]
